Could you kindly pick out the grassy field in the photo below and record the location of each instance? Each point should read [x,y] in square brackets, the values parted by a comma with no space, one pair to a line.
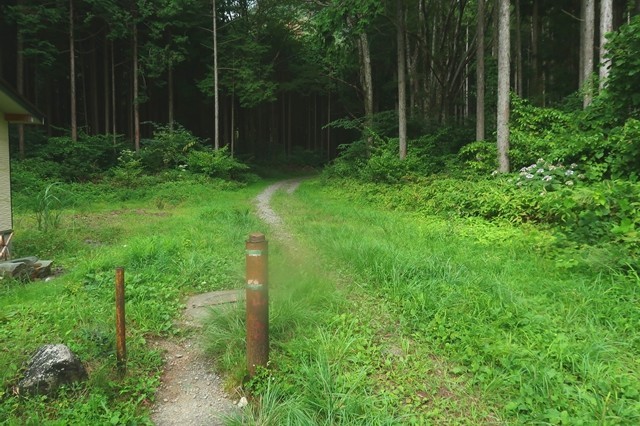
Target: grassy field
[377,316]
[173,239]
[399,318]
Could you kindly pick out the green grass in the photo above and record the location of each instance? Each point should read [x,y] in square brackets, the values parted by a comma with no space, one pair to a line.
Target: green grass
[378,317]
[173,239]
[459,320]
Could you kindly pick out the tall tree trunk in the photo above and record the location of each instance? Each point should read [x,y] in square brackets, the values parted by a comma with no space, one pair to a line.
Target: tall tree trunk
[402,90]
[587,49]
[106,84]
[503,86]
[535,94]
[519,73]
[289,123]
[136,98]
[606,26]
[364,54]
[20,83]
[113,95]
[170,95]
[480,73]
[233,121]
[328,127]
[95,113]
[216,103]
[72,76]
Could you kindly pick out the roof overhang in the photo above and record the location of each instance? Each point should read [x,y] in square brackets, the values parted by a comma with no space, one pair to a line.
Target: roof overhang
[16,109]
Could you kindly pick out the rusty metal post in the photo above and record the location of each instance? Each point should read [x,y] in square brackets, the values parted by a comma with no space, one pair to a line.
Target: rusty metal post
[257,303]
[121,343]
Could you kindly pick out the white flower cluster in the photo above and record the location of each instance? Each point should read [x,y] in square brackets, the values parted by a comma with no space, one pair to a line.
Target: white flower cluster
[547,175]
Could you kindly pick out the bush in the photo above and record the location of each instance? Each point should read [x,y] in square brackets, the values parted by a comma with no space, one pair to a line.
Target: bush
[218,164]
[168,149]
[63,159]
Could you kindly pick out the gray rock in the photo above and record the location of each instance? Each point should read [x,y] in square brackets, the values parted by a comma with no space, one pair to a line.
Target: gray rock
[51,367]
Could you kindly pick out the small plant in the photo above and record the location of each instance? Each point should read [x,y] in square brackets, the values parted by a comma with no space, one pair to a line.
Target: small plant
[129,169]
[547,176]
[48,209]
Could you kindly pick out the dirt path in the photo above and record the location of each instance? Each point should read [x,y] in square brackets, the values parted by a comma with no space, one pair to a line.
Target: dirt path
[190,392]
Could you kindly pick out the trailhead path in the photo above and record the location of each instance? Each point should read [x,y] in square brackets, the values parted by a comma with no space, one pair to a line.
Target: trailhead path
[191,393]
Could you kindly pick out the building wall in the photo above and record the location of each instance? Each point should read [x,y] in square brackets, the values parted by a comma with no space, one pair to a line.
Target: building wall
[5,182]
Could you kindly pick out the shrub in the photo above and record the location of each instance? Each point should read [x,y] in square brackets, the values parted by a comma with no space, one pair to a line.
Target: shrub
[81,160]
[217,164]
[169,148]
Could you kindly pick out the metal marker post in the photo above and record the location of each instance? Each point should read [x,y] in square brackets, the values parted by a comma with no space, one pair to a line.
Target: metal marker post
[121,344]
[257,303]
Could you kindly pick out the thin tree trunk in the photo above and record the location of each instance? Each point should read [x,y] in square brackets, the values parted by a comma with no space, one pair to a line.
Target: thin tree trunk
[503,86]
[606,26]
[233,121]
[364,54]
[105,63]
[535,57]
[587,46]
[315,121]
[170,95]
[20,84]
[72,75]
[289,138]
[113,95]
[328,128]
[402,93]
[480,73]
[216,120]
[136,103]
[518,50]
[95,114]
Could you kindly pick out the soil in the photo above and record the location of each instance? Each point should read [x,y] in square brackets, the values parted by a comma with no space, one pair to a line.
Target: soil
[191,393]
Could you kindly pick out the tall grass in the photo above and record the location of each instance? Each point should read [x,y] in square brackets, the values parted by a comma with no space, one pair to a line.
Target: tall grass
[528,341]
[190,242]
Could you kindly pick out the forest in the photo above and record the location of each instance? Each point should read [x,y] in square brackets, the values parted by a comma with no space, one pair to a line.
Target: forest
[463,248]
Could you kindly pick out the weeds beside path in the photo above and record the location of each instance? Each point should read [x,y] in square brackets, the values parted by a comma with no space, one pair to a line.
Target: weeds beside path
[339,355]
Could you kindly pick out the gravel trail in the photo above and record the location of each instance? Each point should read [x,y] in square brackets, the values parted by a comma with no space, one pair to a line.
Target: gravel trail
[191,393]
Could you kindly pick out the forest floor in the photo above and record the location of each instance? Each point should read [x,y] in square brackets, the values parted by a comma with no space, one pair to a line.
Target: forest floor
[190,392]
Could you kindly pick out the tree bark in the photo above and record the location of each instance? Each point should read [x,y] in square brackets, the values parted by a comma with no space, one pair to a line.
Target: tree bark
[536,90]
[606,26]
[587,49]
[105,64]
[216,120]
[72,76]
[503,86]
[519,73]
[170,95]
[480,73]
[20,83]
[136,99]
[113,95]
[364,54]
[402,93]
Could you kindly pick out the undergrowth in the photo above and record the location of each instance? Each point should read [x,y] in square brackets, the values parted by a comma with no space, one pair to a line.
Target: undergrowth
[172,238]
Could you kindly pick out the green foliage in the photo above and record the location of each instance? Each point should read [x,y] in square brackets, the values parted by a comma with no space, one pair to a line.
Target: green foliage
[63,159]
[189,245]
[479,157]
[168,149]
[622,87]
[218,164]
[129,169]
[537,345]
[546,177]
[48,208]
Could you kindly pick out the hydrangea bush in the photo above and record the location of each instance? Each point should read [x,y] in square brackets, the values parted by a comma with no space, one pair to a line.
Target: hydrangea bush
[547,176]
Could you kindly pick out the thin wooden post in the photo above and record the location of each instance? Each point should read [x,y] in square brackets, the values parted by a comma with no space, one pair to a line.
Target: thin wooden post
[121,343]
[257,303]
